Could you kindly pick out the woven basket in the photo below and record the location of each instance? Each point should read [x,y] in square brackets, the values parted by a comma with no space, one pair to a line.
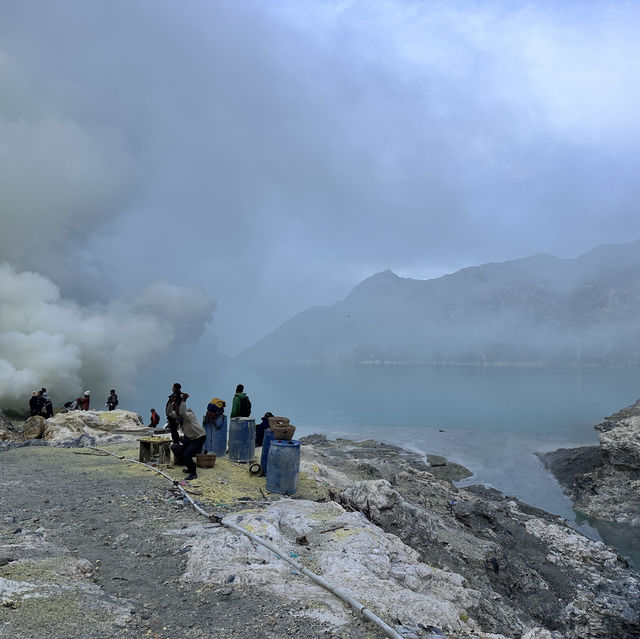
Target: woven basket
[277,421]
[283,432]
[205,461]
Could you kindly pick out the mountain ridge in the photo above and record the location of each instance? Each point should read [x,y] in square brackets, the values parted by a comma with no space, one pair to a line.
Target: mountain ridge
[537,310]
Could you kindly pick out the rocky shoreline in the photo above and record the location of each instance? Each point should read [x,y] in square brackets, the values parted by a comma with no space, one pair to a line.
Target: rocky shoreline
[603,481]
[380,522]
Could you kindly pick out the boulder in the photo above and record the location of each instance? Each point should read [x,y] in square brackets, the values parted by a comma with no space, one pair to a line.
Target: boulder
[34,427]
[345,549]
[99,426]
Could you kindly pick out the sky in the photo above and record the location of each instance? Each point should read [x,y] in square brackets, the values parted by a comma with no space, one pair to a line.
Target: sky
[242,161]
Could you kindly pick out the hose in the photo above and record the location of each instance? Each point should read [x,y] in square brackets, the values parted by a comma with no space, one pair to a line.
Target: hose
[347,598]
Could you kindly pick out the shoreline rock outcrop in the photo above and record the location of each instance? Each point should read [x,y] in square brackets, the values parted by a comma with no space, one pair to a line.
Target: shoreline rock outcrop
[531,568]
[604,481]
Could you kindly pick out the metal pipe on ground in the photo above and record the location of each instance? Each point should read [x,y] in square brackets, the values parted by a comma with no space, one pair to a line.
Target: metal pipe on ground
[347,598]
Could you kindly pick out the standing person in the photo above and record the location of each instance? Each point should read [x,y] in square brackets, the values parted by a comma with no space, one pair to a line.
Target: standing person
[194,438]
[241,406]
[172,411]
[48,404]
[35,403]
[84,401]
[155,419]
[112,400]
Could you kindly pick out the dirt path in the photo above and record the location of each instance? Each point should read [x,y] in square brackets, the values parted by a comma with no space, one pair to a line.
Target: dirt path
[93,528]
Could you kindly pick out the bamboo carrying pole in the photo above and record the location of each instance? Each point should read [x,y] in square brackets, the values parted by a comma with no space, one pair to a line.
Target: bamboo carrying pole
[347,598]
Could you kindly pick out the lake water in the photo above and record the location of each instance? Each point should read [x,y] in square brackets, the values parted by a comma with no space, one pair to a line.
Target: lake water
[491,420]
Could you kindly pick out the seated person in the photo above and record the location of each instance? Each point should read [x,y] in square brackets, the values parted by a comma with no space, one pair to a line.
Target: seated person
[261,427]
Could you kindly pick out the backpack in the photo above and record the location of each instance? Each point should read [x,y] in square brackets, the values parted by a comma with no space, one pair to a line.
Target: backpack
[244,409]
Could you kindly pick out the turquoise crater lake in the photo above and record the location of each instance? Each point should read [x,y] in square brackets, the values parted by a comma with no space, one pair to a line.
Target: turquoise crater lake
[490,419]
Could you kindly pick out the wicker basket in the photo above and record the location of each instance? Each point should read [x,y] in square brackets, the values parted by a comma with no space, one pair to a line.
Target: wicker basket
[283,432]
[277,421]
[205,461]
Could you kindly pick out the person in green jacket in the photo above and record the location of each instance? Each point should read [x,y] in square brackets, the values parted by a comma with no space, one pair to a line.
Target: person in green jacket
[241,406]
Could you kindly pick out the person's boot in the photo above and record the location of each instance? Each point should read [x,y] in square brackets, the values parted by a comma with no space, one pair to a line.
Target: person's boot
[191,476]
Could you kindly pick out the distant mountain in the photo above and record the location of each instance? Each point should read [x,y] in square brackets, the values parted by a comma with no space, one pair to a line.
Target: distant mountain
[533,311]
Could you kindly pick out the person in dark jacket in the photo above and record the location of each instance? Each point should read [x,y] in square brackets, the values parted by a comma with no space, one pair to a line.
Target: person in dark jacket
[261,427]
[112,400]
[172,411]
[35,403]
[47,409]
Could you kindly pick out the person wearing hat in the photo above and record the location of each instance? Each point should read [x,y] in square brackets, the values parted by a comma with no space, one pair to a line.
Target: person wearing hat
[261,427]
[84,401]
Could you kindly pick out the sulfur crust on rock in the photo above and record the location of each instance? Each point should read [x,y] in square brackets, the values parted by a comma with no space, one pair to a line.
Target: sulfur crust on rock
[34,570]
[227,483]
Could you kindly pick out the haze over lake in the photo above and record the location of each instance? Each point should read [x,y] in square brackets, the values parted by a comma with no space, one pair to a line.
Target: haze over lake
[482,417]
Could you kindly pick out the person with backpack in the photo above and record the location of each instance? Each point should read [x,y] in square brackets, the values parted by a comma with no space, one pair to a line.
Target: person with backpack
[112,400]
[241,406]
[155,419]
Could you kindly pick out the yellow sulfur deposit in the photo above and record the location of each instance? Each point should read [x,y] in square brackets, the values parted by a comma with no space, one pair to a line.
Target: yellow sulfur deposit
[227,483]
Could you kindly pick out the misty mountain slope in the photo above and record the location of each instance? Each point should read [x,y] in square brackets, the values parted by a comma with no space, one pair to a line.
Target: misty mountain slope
[535,310]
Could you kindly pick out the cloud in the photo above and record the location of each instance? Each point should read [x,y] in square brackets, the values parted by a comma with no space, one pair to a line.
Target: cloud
[277,153]
[47,340]
[60,177]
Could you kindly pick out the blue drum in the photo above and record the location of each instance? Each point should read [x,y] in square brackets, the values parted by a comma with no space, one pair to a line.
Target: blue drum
[266,442]
[283,462]
[242,439]
[216,441]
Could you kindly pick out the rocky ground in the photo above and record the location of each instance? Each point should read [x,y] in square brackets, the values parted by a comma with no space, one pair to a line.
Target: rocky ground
[604,481]
[531,568]
[91,546]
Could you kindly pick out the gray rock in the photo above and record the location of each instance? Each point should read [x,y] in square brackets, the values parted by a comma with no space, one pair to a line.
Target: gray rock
[601,479]
[34,427]
[532,568]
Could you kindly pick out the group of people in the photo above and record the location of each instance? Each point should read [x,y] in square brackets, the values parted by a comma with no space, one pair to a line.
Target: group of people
[184,446]
[41,404]
[187,446]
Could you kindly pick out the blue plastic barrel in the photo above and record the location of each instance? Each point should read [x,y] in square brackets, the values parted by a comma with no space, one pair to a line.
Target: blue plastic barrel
[242,439]
[268,436]
[216,441]
[283,462]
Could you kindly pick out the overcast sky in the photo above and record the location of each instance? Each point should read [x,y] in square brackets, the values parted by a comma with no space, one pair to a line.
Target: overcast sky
[271,155]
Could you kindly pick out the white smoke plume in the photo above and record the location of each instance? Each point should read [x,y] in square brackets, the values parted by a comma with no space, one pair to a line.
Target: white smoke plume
[46,340]
[67,175]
